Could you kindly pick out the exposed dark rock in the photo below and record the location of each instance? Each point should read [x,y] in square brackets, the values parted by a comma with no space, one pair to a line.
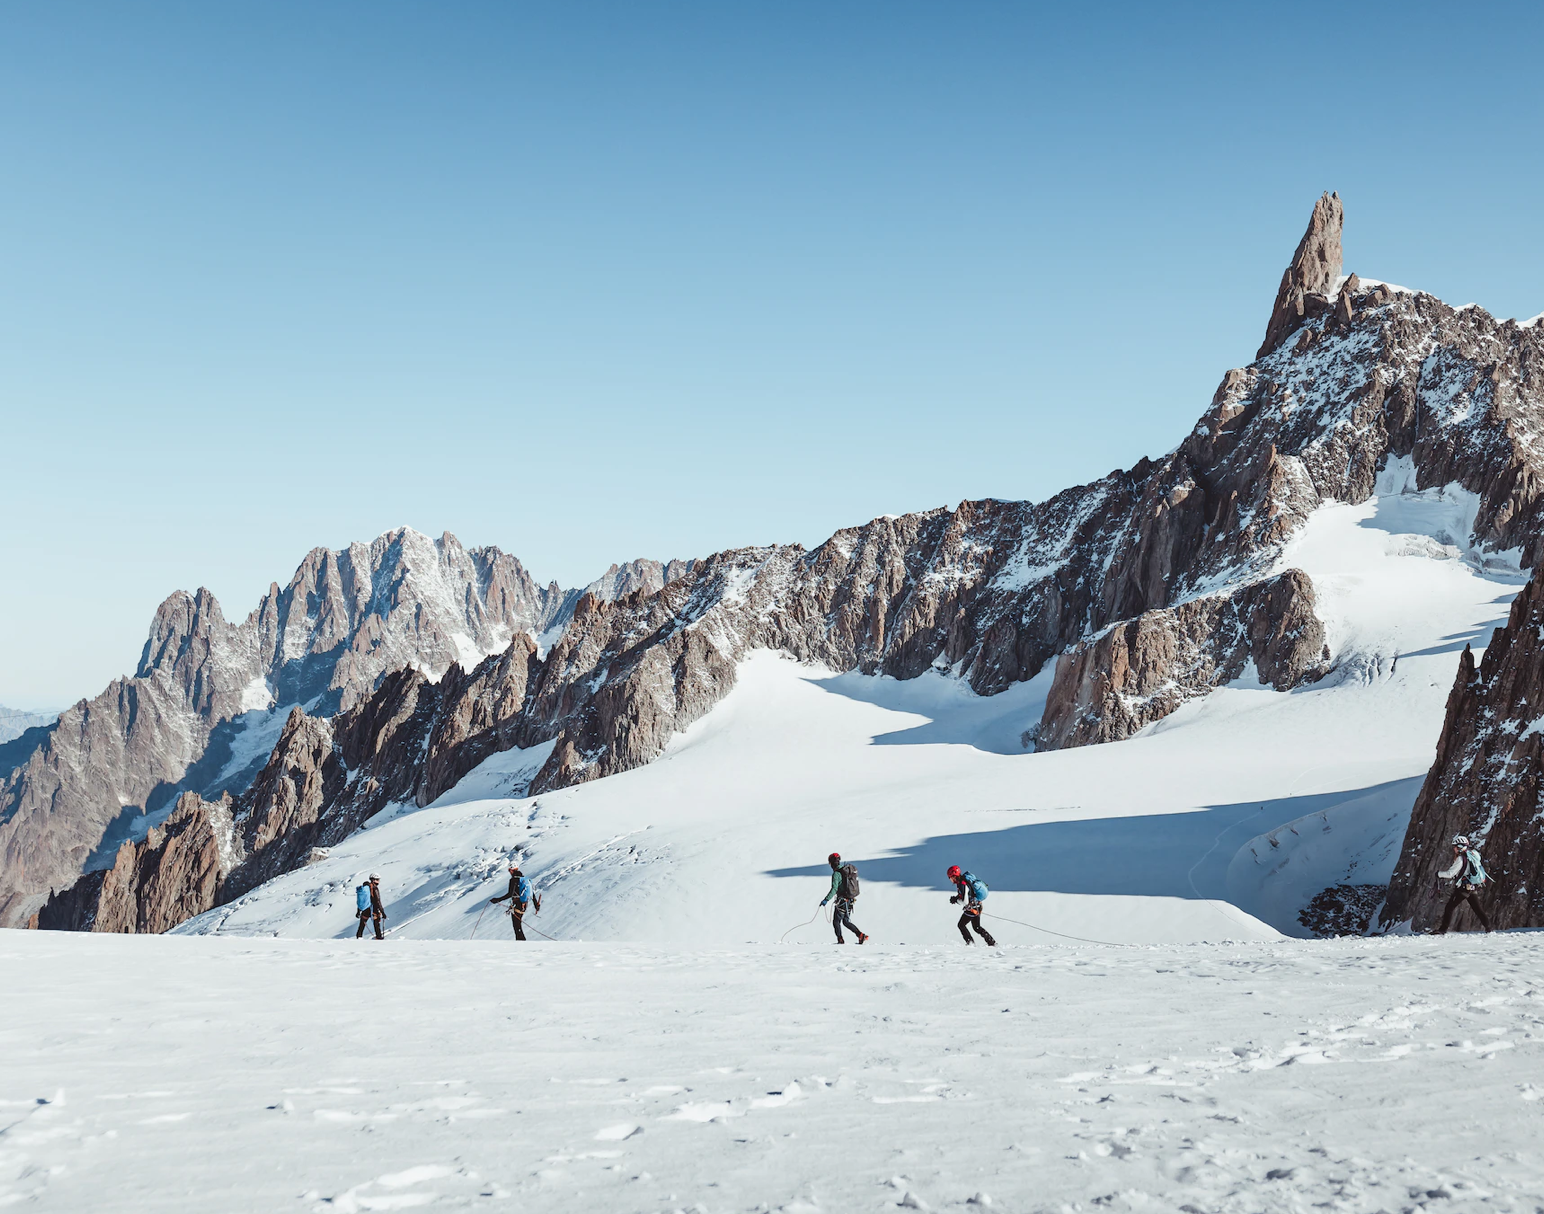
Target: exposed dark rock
[1313,273]
[1342,910]
[324,779]
[70,792]
[1139,671]
[1484,782]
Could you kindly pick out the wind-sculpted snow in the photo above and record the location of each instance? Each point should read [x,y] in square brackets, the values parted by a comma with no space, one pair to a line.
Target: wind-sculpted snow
[1359,1076]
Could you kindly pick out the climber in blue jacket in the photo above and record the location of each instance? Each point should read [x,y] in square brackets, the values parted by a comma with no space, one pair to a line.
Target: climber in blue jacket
[520,896]
[972,891]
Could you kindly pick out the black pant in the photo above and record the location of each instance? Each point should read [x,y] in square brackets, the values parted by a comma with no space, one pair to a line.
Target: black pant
[972,919]
[517,916]
[367,917]
[1463,893]
[841,916]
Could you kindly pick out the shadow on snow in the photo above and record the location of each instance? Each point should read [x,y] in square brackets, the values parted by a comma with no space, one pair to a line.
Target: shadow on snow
[1172,855]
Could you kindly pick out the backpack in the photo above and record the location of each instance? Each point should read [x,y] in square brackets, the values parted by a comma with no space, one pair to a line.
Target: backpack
[978,887]
[362,897]
[849,882]
[1474,871]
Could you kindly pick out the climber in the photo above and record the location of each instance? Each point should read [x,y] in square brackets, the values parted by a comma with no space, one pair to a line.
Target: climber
[368,899]
[972,891]
[520,896]
[1468,876]
[844,888]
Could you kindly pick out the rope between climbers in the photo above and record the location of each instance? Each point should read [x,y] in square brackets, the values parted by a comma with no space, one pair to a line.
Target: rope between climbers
[1037,928]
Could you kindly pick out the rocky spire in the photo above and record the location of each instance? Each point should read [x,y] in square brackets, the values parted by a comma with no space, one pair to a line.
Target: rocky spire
[1315,269]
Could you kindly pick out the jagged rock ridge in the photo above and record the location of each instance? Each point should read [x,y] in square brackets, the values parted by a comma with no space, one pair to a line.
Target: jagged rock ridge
[345,620]
[1149,586]
[1312,276]
[1485,783]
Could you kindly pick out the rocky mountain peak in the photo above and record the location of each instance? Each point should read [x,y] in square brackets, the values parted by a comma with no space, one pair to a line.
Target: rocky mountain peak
[1314,270]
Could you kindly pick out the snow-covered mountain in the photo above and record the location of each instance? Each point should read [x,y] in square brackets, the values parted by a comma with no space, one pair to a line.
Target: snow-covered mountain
[209,698]
[14,722]
[1179,584]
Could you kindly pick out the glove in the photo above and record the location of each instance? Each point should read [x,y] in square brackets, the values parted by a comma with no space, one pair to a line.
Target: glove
[492,899]
[823,901]
[954,899]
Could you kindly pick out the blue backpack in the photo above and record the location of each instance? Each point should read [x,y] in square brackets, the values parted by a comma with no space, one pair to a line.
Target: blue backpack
[978,889]
[1474,871]
[362,897]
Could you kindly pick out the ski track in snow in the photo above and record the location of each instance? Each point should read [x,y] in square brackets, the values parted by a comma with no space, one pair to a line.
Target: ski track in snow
[1353,1075]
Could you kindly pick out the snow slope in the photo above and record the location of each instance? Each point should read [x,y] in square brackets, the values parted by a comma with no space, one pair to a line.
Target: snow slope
[1395,1074]
[1219,822]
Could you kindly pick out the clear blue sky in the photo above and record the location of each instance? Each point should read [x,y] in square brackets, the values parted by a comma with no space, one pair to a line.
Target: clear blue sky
[591,282]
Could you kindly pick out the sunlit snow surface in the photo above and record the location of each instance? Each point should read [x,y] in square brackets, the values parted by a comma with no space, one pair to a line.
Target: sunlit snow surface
[156,1074]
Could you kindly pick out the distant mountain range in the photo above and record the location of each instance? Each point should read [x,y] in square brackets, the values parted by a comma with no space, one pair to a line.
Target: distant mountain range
[14,722]
[206,702]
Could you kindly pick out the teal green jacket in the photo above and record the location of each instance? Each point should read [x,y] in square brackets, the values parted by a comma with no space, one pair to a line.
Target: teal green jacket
[836,886]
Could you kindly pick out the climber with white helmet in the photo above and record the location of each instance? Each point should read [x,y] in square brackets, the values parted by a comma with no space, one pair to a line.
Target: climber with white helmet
[1469,877]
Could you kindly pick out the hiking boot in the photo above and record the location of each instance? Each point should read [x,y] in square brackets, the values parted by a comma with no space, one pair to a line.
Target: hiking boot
[862,938]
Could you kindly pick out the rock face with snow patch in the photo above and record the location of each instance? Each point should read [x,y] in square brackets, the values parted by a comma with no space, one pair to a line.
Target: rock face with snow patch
[1139,671]
[345,620]
[407,742]
[1485,783]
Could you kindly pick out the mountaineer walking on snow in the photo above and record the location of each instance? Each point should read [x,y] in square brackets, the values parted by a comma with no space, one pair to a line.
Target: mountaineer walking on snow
[367,898]
[1470,877]
[972,891]
[520,896]
[844,888]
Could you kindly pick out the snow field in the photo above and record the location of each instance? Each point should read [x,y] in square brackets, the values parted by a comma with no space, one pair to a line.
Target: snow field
[170,1074]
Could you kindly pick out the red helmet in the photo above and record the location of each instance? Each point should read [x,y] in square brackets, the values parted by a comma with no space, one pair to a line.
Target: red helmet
[834,859]
[954,872]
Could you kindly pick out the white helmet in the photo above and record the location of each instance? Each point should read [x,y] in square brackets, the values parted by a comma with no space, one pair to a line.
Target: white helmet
[1460,840]
[375,876]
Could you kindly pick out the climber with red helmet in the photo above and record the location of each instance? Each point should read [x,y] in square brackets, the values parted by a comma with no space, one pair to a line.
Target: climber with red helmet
[844,888]
[972,891]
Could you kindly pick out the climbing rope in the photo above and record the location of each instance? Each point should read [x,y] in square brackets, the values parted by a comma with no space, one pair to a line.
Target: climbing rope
[1036,927]
[478,924]
[806,923]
